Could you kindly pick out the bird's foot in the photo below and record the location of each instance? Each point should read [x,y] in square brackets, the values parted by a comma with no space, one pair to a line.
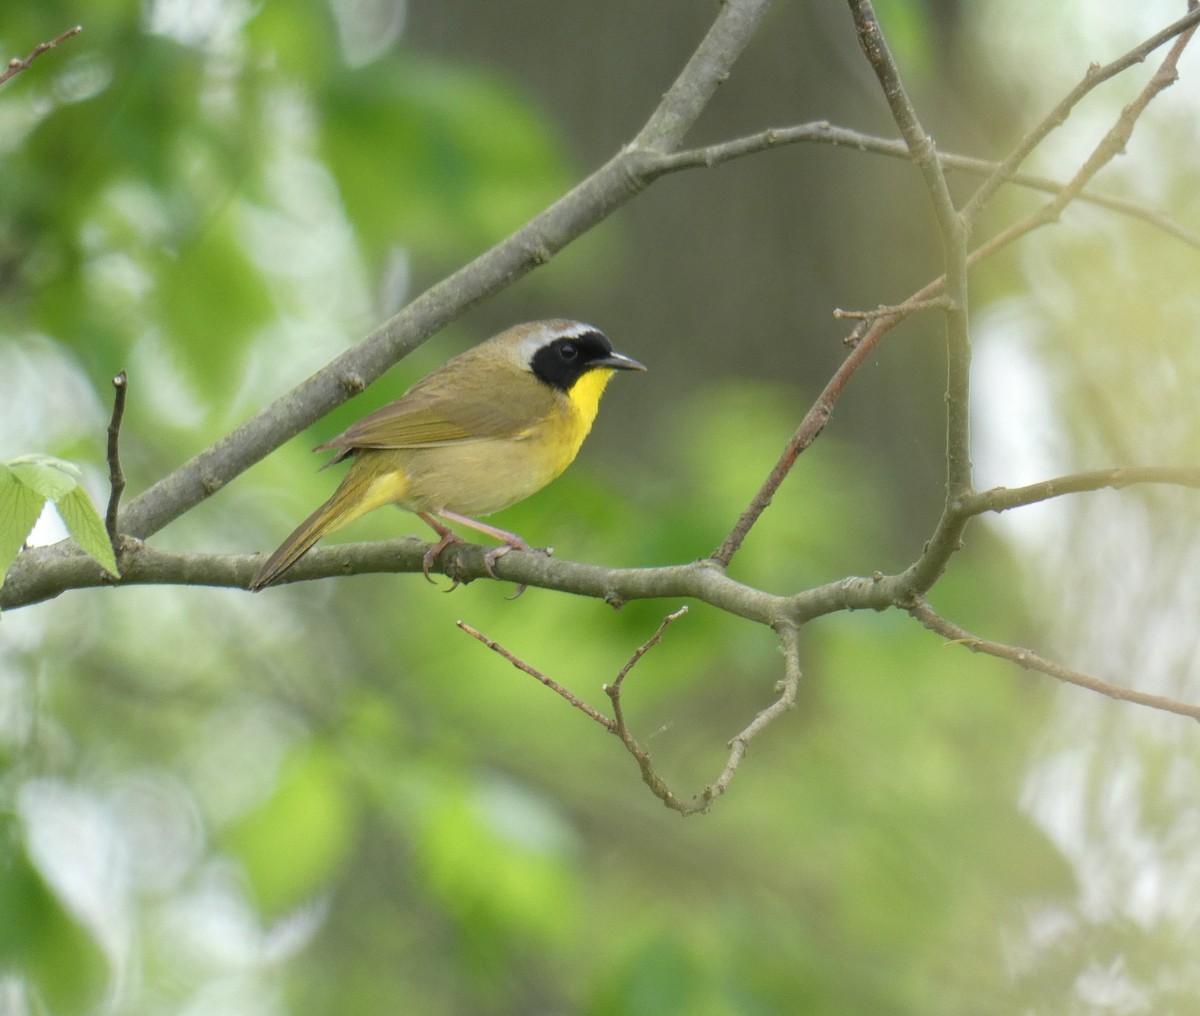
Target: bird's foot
[431,555]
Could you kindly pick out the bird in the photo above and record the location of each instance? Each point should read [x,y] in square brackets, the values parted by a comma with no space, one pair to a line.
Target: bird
[485,430]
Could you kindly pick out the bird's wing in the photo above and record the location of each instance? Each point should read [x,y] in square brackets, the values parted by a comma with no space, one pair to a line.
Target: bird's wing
[427,417]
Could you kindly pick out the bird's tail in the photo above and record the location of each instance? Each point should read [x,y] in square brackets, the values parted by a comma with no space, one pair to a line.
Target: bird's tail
[344,506]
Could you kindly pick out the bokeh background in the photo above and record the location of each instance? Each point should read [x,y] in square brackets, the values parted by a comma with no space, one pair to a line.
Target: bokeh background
[327,799]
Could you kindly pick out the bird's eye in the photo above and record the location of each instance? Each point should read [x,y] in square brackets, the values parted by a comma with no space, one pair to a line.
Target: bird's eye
[568,351]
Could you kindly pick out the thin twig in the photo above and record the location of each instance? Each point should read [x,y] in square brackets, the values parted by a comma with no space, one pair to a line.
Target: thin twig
[617,725]
[789,638]
[16,64]
[1000,499]
[921,610]
[533,672]
[1094,76]
[116,478]
[809,430]
[646,646]
[892,310]
[650,776]
[823,132]
[1110,146]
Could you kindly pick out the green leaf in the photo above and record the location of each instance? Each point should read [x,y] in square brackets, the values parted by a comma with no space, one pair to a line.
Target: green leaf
[41,478]
[50,477]
[85,525]
[19,510]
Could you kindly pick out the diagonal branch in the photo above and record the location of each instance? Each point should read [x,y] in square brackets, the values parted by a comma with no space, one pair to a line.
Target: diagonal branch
[703,74]
[535,243]
[1110,146]
[16,65]
[1094,76]
[1032,661]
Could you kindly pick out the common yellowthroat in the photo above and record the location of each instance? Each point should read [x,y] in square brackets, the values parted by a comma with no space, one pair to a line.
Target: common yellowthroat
[482,432]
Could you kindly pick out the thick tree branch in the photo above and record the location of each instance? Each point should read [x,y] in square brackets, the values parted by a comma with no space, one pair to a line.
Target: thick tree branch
[708,67]
[530,246]
[46,572]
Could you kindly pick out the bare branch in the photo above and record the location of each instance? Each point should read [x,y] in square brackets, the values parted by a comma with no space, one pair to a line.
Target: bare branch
[533,672]
[920,144]
[1095,76]
[1000,499]
[1032,661]
[708,67]
[617,725]
[947,536]
[902,310]
[789,638]
[822,132]
[923,153]
[953,232]
[16,65]
[1110,146]
[644,648]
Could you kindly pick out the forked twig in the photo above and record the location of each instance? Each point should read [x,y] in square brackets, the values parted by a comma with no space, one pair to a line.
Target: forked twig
[618,726]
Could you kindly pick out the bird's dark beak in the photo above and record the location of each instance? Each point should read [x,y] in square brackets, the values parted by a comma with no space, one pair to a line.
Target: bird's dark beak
[618,361]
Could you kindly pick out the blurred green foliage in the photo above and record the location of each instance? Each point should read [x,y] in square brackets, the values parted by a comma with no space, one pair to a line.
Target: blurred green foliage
[330,800]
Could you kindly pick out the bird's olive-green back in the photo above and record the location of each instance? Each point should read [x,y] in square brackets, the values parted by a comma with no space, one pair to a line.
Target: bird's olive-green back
[480,394]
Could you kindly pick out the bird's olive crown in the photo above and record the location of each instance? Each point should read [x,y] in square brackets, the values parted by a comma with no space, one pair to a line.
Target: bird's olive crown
[563,361]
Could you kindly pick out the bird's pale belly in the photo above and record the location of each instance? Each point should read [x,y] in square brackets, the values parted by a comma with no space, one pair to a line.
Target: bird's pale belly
[473,478]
